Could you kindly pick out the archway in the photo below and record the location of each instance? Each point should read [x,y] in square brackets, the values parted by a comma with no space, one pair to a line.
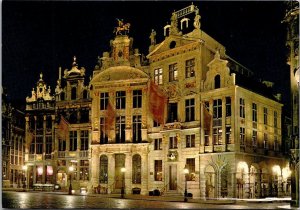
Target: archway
[241,179]
[210,182]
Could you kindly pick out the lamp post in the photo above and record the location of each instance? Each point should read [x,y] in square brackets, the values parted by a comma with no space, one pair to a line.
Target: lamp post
[123,170]
[294,150]
[24,176]
[71,169]
[186,172]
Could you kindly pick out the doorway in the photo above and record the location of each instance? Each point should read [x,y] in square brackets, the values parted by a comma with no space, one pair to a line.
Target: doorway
[119,163]
[173,177]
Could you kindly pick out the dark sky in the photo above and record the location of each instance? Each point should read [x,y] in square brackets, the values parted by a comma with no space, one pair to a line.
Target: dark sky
[41,36]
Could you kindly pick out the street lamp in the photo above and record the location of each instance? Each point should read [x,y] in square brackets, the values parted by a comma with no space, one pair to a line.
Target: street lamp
[24,176]
[186,172]
[71,169]
[123,170]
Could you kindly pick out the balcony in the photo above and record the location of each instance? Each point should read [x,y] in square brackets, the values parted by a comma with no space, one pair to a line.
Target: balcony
[172,126]
[84,154]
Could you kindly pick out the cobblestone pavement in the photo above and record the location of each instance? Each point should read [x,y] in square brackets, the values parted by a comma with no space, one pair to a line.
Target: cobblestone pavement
[42,200]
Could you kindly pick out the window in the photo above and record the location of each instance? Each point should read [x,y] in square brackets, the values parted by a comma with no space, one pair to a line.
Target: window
[158,144]
[85,94]
[48,144]
[190,68]
[217,109]
[62,145]
[103,135]
[242,136]
[173,142]
[84,170]
[137,99]
[137,128]
[172,112]
[265,141]
[39,145]
[190,140]
[217,135]
[103,176]
[84,140]
[254,138]
[120,129]
[136,169]
[103,101]
[228,106]
[276,144]
[73,140]
[228,134]
[173,73]
[242,108]
[254,112]
[275,119]
[206,137]
[190,165]
[158,76]
[157,170]
[155,124]
[217,81]
[73,93]
[189,110]
[265,116]
[120,99]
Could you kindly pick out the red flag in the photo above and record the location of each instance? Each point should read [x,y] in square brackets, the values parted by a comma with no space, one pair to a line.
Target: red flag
[63,127]
[207,118]
[157,102]
[109,118]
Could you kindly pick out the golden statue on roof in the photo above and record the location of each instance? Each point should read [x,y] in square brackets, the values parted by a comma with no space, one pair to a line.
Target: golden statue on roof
[121,27]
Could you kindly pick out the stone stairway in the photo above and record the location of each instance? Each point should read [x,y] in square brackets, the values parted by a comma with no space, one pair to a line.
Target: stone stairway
[172,193]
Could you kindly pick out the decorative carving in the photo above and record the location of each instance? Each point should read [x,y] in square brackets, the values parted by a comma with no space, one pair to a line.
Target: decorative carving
[122,27]
[153,37]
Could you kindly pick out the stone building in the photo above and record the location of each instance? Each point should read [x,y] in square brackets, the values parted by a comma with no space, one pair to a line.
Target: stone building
[291,20]
[13,141]
[39,129]
[221,124]
[72,146]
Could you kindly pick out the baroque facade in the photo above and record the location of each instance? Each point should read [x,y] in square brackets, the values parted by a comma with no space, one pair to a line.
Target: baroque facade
[231,149]
[221,126]
[13,144]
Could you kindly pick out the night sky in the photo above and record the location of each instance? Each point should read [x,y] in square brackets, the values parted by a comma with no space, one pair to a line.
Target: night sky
[40,36]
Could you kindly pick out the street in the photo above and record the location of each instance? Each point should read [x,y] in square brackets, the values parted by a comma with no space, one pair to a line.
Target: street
[43,200]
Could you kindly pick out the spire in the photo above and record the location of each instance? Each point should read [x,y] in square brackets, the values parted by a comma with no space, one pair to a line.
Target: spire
[74,61]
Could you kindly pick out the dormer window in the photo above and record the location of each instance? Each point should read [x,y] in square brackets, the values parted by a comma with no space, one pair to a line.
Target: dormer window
[217,82]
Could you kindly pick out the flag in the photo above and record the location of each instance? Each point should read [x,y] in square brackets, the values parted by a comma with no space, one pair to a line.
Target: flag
[157,102]
[63,127]
[109,118]
[207,118]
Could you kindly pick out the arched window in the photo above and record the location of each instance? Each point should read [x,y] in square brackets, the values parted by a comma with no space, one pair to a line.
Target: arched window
[136,169]
[217,81]
[85,94]
[73,93]
[103,173]
[62,96]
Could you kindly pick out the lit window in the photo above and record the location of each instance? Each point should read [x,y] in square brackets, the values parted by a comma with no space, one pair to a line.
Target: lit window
[158,76]
[173,72]
[190,68]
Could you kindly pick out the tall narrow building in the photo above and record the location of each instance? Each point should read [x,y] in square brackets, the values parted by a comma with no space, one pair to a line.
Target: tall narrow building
[291,20]
[73,128]
[39,129]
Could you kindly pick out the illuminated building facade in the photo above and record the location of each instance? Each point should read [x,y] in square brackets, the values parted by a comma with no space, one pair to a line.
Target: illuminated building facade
[221,124]
[72,139]
[13,153]
[39,129]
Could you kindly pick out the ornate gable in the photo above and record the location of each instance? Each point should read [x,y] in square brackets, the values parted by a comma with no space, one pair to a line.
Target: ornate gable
[219,67]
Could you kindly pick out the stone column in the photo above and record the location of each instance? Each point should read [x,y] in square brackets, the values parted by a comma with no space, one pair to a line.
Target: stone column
[128,173]
[111,172]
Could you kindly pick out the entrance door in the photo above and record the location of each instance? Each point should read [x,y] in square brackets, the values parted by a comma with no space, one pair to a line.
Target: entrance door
[119,163]
[173,177]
